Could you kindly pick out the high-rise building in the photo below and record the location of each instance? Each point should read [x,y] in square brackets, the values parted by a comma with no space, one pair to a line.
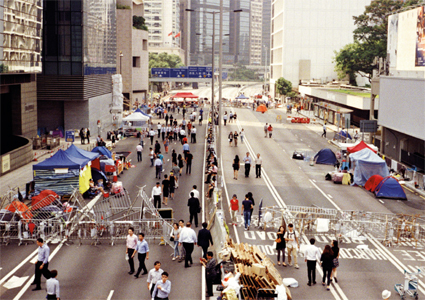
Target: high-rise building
[132,50]
[256,32]
[74,89]
[236,30]
[163,20]
[20,61]
[266,34]
[305,35]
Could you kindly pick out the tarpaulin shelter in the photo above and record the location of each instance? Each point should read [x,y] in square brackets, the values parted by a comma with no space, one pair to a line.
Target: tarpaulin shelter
[136,117]
[344,134]
[102,151]
[45,198]
[80,153]
[360,146]
[325,157]
[142,112]
[242,96]
[366,164]
[61,160]
[373,182]
[390,188]
[261,108]
[19,208]
[184,96]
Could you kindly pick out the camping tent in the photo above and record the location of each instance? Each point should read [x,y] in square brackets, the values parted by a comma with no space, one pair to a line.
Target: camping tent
[325,156]
[344,146]
[242,96]
[184,96]
[80,153]
[360,146]
[102,151]
[389,187]
[367,164]
[61,160]
[373,182]
[344,134]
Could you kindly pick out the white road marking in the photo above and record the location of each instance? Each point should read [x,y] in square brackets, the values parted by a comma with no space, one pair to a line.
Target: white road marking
[314,180]
[326,196]
[15,282]
[330,196]
[381,201]
[110,295]
[299,167]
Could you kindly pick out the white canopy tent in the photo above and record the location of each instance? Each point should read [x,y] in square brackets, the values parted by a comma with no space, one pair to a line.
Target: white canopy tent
[136,117]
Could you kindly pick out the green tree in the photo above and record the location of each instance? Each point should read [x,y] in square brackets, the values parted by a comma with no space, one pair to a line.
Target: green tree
[139,23]
[241,72]
[164,60]
[283,86]
[370,39]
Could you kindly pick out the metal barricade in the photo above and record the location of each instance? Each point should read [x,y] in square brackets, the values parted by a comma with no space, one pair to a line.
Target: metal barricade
[118,206]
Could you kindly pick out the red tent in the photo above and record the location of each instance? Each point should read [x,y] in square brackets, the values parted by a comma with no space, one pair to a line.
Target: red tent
[43,199]
[373,182]
[184,95]
[358,147]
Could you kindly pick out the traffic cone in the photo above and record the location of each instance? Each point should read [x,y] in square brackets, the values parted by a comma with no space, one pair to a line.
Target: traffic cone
[162,243]
[35,156]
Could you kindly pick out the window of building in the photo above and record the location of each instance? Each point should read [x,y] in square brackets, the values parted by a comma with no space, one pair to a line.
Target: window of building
[145,45]
[136,61]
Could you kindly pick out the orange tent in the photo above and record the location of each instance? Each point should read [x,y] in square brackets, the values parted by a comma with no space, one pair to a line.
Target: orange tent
[21,207]
[373,182]
[262,108]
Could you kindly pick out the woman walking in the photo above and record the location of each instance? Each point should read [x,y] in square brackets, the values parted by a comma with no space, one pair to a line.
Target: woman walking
[281,245]
[181,165]
[230,137]
[236,165]
[175,236]
[172,184]
[235,137]
[174,157]
[335,250]
[327,264]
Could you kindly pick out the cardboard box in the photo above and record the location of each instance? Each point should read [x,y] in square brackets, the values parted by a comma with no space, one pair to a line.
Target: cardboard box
[259,270]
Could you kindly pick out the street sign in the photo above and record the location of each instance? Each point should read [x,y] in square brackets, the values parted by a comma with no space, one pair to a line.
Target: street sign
[178,73]
[69,136]
[160,72]
[368,125]
[199,72]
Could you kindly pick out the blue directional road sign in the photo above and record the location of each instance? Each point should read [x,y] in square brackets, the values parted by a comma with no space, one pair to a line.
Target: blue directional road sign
[160,72]
[178,72]
[199,72]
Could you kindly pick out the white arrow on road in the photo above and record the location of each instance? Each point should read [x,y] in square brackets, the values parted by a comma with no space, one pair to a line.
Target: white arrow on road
[15,282]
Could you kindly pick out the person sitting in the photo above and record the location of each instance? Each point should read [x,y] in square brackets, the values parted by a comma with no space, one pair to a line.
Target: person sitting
[95,188]
[212,170]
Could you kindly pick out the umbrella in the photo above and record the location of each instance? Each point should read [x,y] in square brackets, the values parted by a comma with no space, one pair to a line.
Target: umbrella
[262,108]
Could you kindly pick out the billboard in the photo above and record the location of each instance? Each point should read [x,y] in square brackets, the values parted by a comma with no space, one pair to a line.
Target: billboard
[420,37]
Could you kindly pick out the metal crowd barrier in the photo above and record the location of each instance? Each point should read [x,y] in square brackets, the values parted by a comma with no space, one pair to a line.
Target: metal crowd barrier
[118,206]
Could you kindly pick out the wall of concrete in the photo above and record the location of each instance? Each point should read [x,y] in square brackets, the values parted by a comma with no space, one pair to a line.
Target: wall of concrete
[76,114]
[29,109]
[18,157]
[98,109]
[140,74]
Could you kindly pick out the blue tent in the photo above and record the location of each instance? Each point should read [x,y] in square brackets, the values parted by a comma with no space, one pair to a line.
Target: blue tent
[242,96]
[142,112]
[390,188]
[80,153]
[344,134]
[325,157]
[59,160]
[102,151]
[366,164]
[96,175]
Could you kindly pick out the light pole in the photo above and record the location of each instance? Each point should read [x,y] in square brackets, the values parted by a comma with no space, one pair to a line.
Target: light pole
[265,68]
[121,55]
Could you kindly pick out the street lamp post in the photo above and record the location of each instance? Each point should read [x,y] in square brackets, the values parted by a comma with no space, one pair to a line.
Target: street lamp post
[121,55]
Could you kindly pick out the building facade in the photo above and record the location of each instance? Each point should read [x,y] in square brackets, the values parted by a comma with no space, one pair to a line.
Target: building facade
[402,91]
[256,32]
[20,61]
[74,89]
[132,43]
[266,34]
[305,34]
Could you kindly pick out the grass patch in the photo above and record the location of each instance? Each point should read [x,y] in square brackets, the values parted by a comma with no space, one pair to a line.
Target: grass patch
[351,92]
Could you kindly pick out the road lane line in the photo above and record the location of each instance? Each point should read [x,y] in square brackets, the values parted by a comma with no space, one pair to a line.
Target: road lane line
[110,295]
[381,201]
[326,196]
[330,196]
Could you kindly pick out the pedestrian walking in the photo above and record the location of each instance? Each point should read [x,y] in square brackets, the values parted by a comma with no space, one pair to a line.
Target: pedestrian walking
[200,120]
[230,138]
[139,150]
[182,250]
[52,286]
[158,127]
[181,164]
[234,209]
[166,144]
[158,167]
[236,166]
[251,198]
[142,250]
[165,189]
[193,204]
[312,254]
[151,155]
[166,119]
[195,191]
[189,158]
[157,147]
[162,288]
[266,128]
[151,135]
[247,160]
[210,265]
[186,149]
[172,181]
[42,265]
[204,239]
[292,245]
[356,136]
[113,139]
[281,245]
[174,157]
[154,276]
[258,163]
[225,118]
[175,234]
[88,135]
[82,136]
[131,243]
[163,131]
[335,250]
[247,206]
[188,239]
[242,135]
[193,135]
[270,130]
[235,137]
[327,263]
[156,195]
[324,130]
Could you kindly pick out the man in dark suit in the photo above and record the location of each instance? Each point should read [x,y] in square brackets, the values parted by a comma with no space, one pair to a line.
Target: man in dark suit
[204,239]
[193,204]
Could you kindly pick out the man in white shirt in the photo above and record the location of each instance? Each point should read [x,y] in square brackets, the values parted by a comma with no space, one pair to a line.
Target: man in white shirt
[324,130]
[156,195]
[312,254]
[195,192]
[151,155]
[159,129]
[154,276]
[193,135]
[151,135]
[158,166]
[292,245]
[52,286]
[258,162]
[189,239]
[139,150]
[182,250]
